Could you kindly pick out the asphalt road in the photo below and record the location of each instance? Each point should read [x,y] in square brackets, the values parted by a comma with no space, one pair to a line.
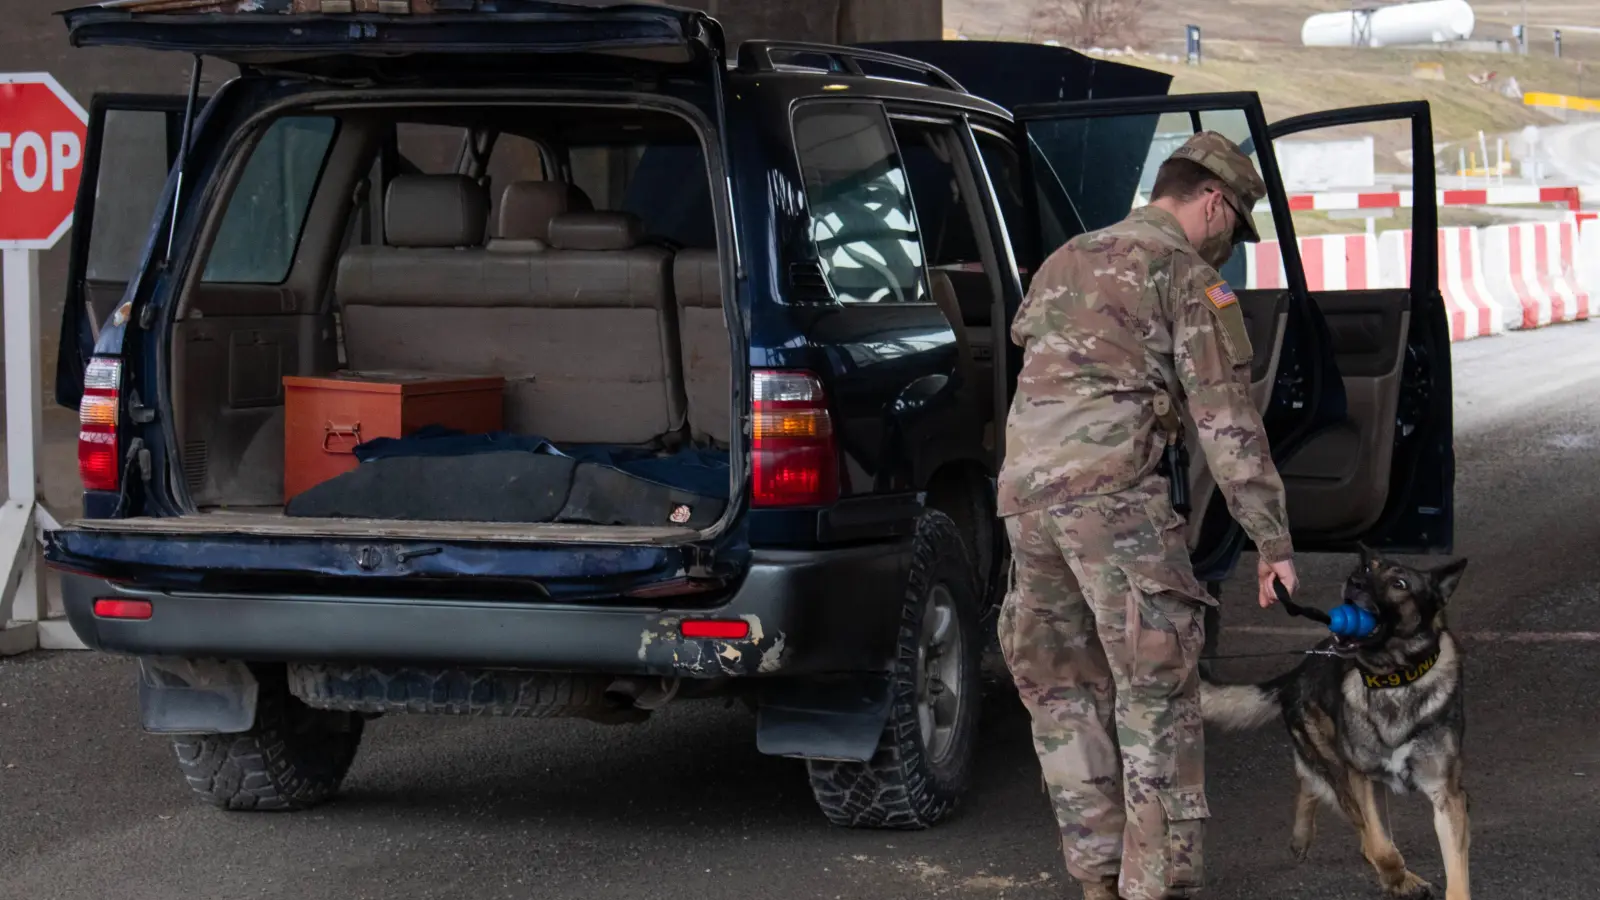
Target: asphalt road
[1573,151]
[685,807]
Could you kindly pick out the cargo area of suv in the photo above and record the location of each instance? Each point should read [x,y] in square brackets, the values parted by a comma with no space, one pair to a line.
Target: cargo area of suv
[567,249]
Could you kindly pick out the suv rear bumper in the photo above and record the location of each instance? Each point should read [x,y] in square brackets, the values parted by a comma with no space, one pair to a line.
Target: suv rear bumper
[809,612]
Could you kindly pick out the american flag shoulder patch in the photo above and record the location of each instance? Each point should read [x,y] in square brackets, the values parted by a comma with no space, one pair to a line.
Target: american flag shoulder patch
[1221,296]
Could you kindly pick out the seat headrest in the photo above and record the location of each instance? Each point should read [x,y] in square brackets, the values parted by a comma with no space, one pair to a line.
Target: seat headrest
[435,211]
[595,231]
[526,208]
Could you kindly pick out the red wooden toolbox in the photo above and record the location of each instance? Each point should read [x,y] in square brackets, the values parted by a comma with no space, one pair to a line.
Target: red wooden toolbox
[326,417]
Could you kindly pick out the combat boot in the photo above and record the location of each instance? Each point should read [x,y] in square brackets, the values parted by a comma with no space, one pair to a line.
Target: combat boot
[1104,889]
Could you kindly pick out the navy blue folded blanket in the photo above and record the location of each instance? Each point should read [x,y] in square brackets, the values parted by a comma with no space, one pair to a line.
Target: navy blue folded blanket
[444,475]
[701,472]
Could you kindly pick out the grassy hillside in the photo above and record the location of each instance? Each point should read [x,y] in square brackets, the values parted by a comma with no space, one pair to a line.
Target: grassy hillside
[1255,45]
[1299,80]
[1277,21]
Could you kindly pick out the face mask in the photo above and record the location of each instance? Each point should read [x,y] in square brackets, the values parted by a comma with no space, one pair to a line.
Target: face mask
[1216,249]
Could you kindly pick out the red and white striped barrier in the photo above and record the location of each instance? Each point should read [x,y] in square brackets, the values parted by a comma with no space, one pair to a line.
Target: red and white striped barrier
[1334,262]
[1532,266]
[1589,254]
[1470,308]
[1495,196]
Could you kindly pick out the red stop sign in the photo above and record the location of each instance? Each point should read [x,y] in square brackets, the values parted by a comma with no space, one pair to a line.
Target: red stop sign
[42,131]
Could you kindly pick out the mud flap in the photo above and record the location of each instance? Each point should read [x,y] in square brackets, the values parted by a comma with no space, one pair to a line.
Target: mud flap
[189,696]
[834,718]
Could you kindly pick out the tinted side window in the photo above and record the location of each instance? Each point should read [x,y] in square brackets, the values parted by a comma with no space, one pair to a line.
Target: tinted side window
[931,153]
[267,211]
[433,149]
[1005,173]
[862,221]
[942,179]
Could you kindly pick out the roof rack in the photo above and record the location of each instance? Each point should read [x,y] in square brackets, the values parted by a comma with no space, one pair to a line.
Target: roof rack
[756,56]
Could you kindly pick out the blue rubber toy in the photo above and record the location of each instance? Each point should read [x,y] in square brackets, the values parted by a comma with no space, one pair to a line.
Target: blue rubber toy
[1350,621]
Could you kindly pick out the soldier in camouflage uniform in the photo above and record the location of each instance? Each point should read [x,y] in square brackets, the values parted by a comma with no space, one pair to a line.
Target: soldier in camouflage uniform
[1103,625]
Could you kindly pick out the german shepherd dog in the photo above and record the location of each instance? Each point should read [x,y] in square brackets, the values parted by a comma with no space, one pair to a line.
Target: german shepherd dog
[1382,710]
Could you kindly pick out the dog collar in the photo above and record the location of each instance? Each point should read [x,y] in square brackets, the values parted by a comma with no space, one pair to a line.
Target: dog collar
[1400,677]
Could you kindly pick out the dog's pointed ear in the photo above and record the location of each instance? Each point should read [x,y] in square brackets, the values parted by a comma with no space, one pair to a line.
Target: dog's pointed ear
[1446,577]
[1368,555]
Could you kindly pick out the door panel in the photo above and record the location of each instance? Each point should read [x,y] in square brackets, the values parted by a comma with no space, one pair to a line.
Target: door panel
[1338,483]
[132,142]
[1383,476]
[1266,318]
[230,352]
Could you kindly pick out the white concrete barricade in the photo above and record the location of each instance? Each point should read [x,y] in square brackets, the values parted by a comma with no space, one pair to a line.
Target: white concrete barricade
[1333,262]
[1469,307]
[1588,260]
[1531,267]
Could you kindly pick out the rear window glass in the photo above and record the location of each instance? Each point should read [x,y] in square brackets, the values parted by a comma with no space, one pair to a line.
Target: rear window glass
[663,183]
[136,151]
[261,227]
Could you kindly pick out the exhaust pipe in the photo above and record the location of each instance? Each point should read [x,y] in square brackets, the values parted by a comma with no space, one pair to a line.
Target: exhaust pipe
[648,694]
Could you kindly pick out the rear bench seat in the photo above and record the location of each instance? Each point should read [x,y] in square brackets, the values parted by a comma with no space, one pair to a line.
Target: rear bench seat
[707,366]
[584,332]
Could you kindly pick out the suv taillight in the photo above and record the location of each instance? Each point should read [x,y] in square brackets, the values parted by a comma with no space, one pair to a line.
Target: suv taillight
[794,461]
[97,425]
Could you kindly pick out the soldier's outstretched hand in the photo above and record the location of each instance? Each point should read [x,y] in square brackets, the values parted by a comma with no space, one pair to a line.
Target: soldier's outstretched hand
[1283,571]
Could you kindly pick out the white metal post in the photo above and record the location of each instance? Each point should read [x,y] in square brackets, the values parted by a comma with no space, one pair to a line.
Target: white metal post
[24,415]
[21,597]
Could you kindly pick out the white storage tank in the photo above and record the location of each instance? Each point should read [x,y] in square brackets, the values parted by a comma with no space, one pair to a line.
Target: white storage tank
[1431,22]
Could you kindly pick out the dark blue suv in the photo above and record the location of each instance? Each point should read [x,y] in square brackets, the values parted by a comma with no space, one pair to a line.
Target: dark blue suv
[747,320]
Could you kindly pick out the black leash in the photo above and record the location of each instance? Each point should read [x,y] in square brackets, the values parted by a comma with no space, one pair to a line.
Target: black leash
[1256,655]
[1294,609]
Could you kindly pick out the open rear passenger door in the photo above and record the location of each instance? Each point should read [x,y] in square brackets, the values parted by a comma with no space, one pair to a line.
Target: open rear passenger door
[133,141]
[1091,162]
[1384,476]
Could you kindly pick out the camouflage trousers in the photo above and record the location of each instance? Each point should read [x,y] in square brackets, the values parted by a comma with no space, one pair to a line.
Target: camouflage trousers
[1102,631]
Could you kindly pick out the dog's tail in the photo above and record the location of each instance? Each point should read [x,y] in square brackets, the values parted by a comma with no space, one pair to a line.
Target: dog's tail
[1239,707]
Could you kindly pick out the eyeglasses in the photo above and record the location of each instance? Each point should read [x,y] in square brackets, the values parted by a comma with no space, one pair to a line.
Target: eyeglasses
[1239,215]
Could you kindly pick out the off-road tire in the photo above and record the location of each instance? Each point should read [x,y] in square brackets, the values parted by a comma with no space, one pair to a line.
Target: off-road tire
[293,757]
[901,787]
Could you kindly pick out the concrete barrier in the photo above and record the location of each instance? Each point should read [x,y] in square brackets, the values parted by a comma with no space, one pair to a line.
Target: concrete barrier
[1531,267]
[1588,261]
[1335,262]
[1470,308]
[1494,279]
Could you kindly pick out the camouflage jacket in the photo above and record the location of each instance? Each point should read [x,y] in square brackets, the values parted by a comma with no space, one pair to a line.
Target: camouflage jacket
[1113,317]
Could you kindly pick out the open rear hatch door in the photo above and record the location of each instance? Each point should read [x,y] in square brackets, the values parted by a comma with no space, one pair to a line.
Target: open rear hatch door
[357,40]
[335,38]
[1012,74]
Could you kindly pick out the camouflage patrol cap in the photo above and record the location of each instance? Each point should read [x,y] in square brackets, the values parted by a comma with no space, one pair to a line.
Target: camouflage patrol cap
[1222,158]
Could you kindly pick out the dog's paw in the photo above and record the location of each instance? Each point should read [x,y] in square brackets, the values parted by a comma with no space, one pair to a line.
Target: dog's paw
[1411,887]
[1300,849]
